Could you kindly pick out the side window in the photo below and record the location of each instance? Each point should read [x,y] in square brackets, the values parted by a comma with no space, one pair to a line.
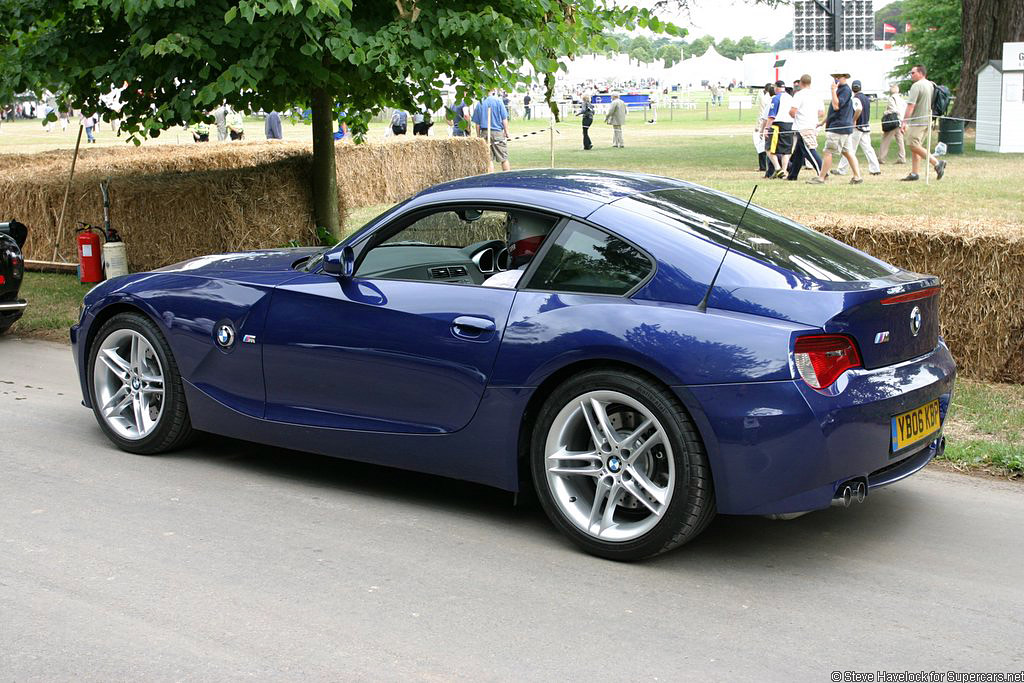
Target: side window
[453,229]
[587,260]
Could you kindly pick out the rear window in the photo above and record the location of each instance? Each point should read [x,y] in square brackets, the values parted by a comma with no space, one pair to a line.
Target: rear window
[763,235]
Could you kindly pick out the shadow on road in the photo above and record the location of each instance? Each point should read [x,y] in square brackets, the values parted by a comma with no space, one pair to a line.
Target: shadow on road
[828,536]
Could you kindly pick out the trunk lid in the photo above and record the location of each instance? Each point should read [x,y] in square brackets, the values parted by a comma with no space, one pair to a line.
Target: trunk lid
[892,324]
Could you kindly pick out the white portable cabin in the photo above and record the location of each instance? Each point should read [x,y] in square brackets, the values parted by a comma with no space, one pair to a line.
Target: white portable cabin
[1001,102]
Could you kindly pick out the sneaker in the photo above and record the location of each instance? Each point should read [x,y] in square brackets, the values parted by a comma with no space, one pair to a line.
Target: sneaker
[911,176]
[816,180]
[781,173]
[901,162]
[940,170]
[856,181]
[876,173]
[835,172]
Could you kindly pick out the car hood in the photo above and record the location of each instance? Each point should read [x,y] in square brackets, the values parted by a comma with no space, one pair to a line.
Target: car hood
[264,261]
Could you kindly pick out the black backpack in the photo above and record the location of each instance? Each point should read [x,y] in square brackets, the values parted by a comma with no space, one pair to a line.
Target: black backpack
[940,100]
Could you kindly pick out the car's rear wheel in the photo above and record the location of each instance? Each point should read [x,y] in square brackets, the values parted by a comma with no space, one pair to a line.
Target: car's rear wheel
[135,386]
[619,466]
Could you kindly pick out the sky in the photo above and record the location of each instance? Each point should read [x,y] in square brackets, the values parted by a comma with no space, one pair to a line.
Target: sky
[736,18]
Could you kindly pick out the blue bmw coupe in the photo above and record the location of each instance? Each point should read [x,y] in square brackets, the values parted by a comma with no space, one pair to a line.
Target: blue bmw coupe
[643,351]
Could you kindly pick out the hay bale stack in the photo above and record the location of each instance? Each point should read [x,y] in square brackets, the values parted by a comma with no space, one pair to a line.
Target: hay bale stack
[389,172]
[172,202]
[982,271]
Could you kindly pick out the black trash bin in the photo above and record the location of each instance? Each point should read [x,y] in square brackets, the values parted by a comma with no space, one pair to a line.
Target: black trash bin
[951,131]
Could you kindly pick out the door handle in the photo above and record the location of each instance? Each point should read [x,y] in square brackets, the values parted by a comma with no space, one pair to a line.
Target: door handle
[470,327]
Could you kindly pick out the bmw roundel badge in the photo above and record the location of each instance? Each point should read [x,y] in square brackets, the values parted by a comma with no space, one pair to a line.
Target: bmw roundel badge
[226,336]
[915,321]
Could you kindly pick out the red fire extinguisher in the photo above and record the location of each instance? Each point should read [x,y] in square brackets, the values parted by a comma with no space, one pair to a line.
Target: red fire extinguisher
[90,258]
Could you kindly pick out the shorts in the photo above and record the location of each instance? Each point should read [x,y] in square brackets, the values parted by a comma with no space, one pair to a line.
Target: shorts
[499,145]
[810,138]
[916,135]
[836,142]
[781,139]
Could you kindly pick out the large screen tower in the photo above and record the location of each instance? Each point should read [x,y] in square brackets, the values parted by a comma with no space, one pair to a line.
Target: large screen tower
[833,25]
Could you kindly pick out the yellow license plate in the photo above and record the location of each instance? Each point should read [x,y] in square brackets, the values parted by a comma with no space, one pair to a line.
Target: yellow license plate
[915,425]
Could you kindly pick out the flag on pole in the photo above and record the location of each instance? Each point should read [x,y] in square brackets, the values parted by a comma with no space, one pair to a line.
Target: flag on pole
[888,28]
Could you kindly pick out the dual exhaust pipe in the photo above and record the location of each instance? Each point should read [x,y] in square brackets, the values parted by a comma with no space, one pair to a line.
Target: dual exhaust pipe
[849,493]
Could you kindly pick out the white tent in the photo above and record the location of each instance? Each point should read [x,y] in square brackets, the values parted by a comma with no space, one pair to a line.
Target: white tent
[710,66]
[599,68]
[870,67]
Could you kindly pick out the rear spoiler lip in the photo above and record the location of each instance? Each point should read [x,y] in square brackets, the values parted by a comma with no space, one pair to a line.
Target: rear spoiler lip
[915,295]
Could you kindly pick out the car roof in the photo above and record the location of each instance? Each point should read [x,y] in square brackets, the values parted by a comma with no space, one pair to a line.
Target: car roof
[576,191]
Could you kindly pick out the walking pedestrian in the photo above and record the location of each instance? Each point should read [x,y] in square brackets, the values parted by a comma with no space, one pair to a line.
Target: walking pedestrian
[89,123]
[491,119]
[806,112]
[838,128]
[272,126]
[236,125]
[587,112]
[780,123]
[527,110]
[460,118]
[861,136]
[616,118]
[220,119]
[895,108]
[918,120]
[759,127]
[715,90]
[399,122]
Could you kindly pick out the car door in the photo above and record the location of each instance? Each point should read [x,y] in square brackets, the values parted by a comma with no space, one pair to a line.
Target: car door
[381,355]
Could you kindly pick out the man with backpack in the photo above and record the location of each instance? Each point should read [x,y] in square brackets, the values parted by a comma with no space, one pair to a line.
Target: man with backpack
[917,121]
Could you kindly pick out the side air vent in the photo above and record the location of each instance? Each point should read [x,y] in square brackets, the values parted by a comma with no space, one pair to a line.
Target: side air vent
[439,273]
[457,271]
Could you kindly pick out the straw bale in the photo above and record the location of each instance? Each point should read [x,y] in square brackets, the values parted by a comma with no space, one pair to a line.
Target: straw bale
[172,202]
[982,270]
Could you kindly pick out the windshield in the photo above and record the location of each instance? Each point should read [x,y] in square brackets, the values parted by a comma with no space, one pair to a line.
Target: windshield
[763,235]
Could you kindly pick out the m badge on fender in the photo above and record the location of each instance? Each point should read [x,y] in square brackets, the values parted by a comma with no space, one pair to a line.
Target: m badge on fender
[249,339]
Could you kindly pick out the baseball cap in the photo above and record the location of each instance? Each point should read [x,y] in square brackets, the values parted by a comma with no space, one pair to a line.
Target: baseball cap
[780,84]
[855,85]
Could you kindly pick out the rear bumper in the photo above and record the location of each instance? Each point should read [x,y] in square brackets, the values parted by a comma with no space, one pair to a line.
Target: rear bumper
[782,447]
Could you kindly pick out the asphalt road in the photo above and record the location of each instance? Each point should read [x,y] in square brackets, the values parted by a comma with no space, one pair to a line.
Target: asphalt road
[230,561]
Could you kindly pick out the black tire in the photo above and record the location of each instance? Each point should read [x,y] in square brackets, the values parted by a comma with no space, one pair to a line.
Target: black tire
[174,428]
[692,504]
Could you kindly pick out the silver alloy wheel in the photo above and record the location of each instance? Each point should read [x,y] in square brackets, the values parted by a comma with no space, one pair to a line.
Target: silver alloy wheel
[128,384]
[609,465]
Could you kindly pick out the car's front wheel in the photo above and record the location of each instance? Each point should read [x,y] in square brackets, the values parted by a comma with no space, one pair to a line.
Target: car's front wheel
[136,389]
[619,466]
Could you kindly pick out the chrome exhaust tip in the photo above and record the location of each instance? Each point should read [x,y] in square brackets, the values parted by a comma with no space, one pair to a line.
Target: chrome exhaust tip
[844,496]
[860,492]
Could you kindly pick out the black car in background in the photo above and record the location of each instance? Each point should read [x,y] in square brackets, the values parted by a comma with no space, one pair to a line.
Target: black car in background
[12,270]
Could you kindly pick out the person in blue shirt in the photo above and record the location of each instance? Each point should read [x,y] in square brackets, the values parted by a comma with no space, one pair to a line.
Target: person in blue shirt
[458,113]
[491,119]
[838,128]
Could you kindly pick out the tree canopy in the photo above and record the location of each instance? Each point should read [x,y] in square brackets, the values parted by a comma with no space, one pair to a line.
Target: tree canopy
[934,40]
[178,59]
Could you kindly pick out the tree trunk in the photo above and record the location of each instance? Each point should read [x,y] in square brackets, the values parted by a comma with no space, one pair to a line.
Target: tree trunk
[325,179]
[987,24]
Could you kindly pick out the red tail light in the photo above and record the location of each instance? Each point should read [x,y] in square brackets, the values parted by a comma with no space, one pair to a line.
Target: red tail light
[911,296]
[822,358]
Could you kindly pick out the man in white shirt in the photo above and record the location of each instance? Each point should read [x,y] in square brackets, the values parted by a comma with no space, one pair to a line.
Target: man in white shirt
[807,111]
[780,123]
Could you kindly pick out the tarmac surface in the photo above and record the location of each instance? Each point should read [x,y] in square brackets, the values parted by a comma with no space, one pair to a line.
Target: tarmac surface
[230,560]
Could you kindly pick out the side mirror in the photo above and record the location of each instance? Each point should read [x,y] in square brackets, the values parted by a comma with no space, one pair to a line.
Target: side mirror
[341,263]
